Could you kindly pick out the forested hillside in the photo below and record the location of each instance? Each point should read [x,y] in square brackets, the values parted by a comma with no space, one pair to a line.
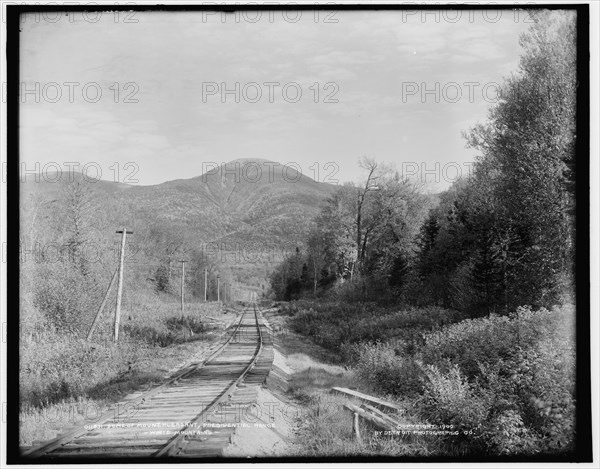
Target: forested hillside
[237,219]
[504,237]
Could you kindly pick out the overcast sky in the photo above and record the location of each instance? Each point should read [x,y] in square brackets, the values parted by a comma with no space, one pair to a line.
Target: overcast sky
[161,80]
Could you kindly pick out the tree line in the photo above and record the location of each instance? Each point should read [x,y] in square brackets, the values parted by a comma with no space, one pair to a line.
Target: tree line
[501,238]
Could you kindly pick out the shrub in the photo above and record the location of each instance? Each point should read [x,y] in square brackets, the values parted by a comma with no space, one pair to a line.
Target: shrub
[333,324]
[67,298]
[477,413]
[449,398]
[506,434]
[520,369]
[190,323]
[487,340]
[379,365]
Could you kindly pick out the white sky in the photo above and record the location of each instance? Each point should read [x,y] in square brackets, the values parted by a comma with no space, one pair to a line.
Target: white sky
[170,131]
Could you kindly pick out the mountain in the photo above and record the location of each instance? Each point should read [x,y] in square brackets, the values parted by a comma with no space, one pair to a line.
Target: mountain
[243,200]
[250,204]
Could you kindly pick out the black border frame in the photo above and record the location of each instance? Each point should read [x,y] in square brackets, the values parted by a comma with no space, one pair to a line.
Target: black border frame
[583,449]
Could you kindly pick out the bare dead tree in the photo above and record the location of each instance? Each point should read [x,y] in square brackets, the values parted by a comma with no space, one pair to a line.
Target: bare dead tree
[371,166]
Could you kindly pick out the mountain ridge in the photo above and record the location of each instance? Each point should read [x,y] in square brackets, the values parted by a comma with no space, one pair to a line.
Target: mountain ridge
[229,202]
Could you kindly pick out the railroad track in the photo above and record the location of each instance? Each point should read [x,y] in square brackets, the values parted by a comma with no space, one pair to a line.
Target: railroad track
[193,414]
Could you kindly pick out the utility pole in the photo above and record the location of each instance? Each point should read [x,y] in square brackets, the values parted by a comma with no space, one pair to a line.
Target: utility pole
[205,284]
[183,261]
[120,284]
[218,289]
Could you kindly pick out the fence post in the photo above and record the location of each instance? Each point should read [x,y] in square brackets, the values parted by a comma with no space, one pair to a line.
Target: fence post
[356,429]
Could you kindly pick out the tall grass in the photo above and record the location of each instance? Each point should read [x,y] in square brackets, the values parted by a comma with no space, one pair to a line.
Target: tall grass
[337,326]
[59,368]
